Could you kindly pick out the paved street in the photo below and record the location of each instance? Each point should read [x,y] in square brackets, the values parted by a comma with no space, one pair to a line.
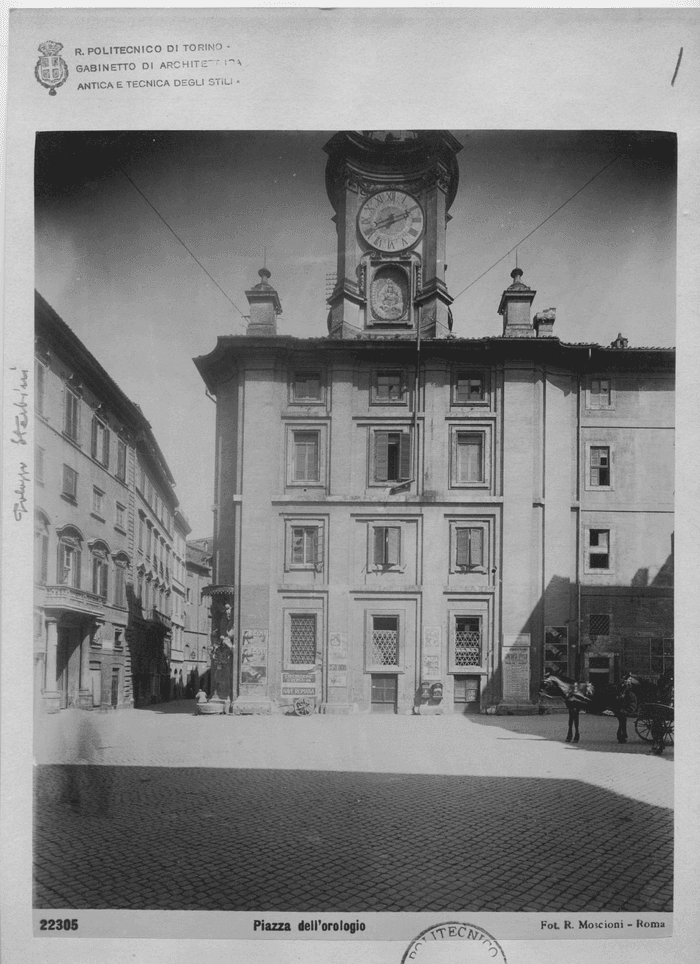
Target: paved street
[160,809]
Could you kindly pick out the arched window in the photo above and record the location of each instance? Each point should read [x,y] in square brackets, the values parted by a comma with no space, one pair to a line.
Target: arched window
[69,557]
[121,568]
[41,548]
[100,569]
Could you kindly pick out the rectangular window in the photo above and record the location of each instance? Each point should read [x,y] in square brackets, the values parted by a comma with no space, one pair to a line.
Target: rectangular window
[302,638]
[305,467]
[599,624]
[469,387]
[387,546]
[121,518]
[68,565]
[100,442]
[385,641]
[39,387]
[469,548]
[99,576]
[466,690]
[392,456]
[120,586]
[599,548]
[601,394]
[148,542]
[467,641]
[389,386]
[41,558]
[306,547]
[70,483]
[71,420]
[38,463]
[307,386]
[142,480]
[98,500]
[121,459]
[600,465]
[470,457]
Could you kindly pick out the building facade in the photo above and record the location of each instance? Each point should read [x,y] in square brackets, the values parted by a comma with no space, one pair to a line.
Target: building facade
[408,521]
[104,506]
[197,631]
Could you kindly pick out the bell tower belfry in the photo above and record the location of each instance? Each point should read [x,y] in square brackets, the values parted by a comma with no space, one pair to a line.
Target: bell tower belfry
[391,192]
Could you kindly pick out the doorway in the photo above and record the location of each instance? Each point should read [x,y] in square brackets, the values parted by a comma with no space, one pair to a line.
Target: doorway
[384,693]
[115,688]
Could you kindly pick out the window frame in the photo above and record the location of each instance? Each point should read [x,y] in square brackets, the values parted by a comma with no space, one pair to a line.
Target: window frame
[71,414]
[406,456]
[597,570]
[100,573]
[319,431]
[39,463]
[319,551]
[65,544]
[120,470]
[469,527]
[484,433]
[385,526]
[471,668]
[587,483]
[70,493]
[98,502]
[591,404]
[120,516]
[40,372]
[304,400]
[305,611]
[459,373]
[370,616]
[100,442]
[377,399]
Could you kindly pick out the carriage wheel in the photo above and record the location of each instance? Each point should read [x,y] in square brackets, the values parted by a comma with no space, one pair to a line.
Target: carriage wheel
[304,706]
[642,726]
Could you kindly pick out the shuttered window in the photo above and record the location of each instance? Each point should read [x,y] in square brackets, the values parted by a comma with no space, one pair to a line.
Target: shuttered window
[39,387]
[307,547]
[392,456]
[469,387]
[305,455]
[70,482]
[386,549]
[470,457]
[100,442]
[600,395]
[121,459]
[68,565]
[71,421]
[100,572]
[470,547]
[389,386]
[120,585]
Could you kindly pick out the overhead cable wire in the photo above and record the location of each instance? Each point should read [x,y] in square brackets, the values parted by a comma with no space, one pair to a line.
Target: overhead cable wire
[173,232]
[538,226]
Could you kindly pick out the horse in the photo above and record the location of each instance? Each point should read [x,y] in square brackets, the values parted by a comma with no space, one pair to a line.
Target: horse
[583,696]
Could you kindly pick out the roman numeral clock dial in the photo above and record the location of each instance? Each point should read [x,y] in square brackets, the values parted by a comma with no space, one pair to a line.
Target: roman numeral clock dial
[391,221]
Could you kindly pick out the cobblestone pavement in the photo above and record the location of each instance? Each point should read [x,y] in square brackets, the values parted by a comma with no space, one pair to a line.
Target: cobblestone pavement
[348,814]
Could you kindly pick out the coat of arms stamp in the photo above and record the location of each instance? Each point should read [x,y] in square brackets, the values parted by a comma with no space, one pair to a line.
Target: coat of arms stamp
[51,69]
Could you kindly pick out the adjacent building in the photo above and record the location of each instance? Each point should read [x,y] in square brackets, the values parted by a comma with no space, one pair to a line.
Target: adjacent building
[197,631]
[411,521]
[104,534]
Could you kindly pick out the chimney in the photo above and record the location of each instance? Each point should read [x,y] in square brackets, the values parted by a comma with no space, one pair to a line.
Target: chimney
[515,305]
[544,322]
[264,307]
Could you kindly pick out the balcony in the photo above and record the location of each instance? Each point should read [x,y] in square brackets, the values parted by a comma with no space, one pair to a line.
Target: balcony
[68,599]
[158,617]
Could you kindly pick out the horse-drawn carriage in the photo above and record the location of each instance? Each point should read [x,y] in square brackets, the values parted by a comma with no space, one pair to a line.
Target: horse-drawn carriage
[654,718]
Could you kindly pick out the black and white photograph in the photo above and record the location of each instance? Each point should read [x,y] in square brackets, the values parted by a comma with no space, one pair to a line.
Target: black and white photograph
[412,546]
[348,483]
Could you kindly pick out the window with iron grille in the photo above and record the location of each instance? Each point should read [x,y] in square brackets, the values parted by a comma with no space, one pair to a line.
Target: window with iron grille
[392,457]
[305,466]
[469,457]
[71,420]
[600,466]
[599,549]
[386,545]
[599,624]
[385,641]
[70,483]
[469,547]
[389,386]
[306,386]
[600,395]
[302,638]
[469,387]
[467,641]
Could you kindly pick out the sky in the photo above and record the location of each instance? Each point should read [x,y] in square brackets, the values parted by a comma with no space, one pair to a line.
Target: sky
[121,279]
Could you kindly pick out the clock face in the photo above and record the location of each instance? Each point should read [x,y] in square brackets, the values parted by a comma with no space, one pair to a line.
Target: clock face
[391,221]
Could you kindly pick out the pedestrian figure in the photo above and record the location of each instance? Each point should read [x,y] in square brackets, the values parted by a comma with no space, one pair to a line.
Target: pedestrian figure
[201,697]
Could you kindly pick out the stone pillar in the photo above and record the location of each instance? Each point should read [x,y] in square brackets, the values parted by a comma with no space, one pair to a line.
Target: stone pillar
[85,683]
[51,696]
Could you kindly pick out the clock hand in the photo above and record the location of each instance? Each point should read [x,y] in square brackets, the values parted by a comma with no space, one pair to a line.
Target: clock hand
[395,217]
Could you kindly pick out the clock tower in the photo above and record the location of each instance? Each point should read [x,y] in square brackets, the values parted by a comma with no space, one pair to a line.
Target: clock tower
[391,192]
